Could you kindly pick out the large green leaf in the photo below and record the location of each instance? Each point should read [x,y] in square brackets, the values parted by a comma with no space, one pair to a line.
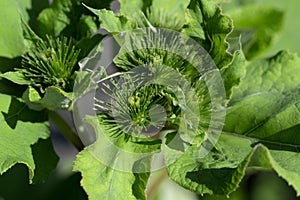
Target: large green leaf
[54,19]
[102,182]
[70,18]
[261,130]
[268,93]
[207,24]
[258,31]
[113,23]
[11,39]
[18,111]
[288,37]
[219,172]
[131,8]
[15,144]
[110,167]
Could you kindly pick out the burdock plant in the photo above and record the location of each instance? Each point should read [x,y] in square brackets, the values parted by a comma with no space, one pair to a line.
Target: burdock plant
[184,98]
[51,62]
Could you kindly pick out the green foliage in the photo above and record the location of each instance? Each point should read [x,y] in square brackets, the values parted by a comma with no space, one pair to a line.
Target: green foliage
[50,68]
[219,172]
[116,164]
[287,37]
[68,18]
[265,97]
[207,24]
[16,179]
[258,31]
[268,93]
[233,73]
[11,41]
[17,138]
[204,22]
[113,23]
[167,97]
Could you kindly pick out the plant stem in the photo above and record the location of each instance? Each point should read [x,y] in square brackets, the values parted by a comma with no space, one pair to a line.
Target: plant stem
[66,130]
[152,189]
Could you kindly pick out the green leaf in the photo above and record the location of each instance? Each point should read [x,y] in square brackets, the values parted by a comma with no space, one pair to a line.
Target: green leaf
[15,144]
[6,86]
[285,164]
[268,93]
[233,73]
[16,77]
[261,130]
[18,111]
[86,45]
[207,24]
[266,107]
[176,8]
[221,171]
[32,98]
[167,14]
[36,7]
[113,23]
[87,24]
[45,160]
[218,172]
[69,18]
[54,19]
[83,24]
[11,39]
[258,31]
[288,37]
[30,38]
[53,99]
[131,8]
[194,20]
[5,102]
[102,182]
[110,167]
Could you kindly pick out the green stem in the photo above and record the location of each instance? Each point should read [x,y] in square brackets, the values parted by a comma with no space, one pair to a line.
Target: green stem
[66,130]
